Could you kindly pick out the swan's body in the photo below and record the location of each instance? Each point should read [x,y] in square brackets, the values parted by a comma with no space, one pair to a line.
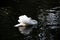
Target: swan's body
[24,23]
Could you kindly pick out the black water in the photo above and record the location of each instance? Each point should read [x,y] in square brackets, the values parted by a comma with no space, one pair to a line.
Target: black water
[10,10]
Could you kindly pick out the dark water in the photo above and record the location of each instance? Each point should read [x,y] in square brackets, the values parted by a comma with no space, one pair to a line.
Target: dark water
[47,13]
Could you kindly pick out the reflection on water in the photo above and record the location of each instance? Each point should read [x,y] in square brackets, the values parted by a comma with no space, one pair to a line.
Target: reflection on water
[47,29]
[52,23]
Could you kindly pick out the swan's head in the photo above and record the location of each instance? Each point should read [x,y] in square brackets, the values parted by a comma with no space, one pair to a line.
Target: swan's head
[26,24]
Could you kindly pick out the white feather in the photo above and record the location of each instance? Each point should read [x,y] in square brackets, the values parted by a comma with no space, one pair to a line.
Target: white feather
[24,20]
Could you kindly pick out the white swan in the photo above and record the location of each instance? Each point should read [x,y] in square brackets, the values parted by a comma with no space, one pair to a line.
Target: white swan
[25,23]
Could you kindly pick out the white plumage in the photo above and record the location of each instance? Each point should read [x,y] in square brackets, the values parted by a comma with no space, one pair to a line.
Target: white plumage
[23,22]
